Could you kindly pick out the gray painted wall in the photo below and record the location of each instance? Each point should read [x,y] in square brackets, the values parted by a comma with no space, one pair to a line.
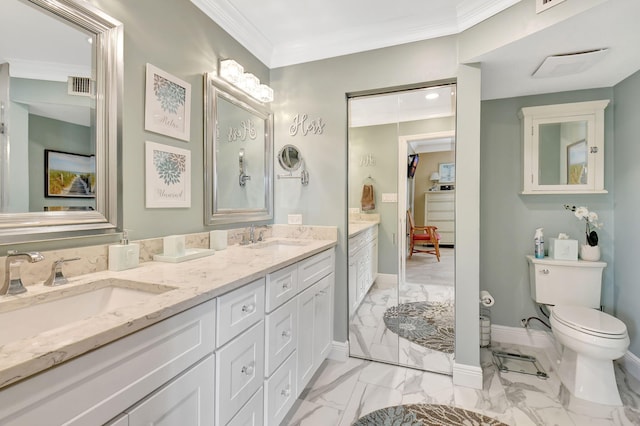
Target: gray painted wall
[626,290]
[509,220]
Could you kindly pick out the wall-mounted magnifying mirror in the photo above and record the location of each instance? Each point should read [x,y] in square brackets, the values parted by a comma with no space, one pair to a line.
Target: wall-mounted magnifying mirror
[60,103]
[238,133]
[291,160]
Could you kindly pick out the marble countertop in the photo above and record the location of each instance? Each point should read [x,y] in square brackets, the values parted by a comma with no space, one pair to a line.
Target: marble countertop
[356,227]
[194,282]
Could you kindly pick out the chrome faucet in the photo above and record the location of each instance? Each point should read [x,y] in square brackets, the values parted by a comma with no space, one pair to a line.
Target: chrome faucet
[57,277]
[14,285]
[252,232]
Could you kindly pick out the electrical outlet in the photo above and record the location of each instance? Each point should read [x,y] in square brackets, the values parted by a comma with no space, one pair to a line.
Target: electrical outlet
[390,197]
[294,219]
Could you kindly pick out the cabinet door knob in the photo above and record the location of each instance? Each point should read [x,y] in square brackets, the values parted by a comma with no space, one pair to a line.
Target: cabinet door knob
[247,369]
[285,286]
[248,308]
[545,271]
[286,333]
[286,392]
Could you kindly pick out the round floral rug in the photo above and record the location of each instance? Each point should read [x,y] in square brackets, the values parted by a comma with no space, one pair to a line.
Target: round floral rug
[425,415]
[428,324]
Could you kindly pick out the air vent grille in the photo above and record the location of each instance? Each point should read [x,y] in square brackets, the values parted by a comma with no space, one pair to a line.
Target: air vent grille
[80,86]
[542,5]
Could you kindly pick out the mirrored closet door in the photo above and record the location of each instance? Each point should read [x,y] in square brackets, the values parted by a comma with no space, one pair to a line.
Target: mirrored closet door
[401,186]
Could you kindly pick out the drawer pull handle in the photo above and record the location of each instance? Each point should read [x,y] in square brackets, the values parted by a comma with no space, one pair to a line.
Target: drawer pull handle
[286,333]
[545,271]
[248,308]
[321,293]
[285,286]
[248,370]
[285,392]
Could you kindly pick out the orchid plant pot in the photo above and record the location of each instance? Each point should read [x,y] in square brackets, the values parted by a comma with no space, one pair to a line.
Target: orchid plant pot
[589,253]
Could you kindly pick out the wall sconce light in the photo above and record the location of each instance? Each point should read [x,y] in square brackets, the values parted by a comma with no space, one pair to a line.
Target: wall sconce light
[233,72]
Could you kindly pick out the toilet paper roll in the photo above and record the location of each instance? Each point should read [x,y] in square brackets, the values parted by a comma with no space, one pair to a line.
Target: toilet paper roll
[486,299]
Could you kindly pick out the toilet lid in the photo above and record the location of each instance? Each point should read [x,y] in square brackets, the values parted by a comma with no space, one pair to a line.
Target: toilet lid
[589,321]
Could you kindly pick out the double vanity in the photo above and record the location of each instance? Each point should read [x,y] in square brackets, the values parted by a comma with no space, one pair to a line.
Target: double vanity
[228,339]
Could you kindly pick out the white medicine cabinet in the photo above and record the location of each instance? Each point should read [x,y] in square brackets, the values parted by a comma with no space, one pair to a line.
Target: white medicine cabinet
[564,148]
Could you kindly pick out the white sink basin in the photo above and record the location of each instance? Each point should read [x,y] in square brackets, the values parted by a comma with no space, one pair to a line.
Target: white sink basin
[278,244]
[67,305]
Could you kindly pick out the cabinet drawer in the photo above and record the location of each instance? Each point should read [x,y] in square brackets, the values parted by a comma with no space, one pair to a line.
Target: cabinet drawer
[281,335]
[281,286]
[239,372]
[252,414]
[431,216]
[313,269]
[280,391]
[239,310]
[444,226]
[441,196]
[441,206]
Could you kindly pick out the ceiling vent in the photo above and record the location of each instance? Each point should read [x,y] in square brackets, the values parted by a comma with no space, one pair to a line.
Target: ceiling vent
[542,5]
[80,86]
[568,63]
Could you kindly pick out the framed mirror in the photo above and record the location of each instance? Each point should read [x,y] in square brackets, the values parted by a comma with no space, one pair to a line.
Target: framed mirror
[238,156]
[66,81]
[564,148]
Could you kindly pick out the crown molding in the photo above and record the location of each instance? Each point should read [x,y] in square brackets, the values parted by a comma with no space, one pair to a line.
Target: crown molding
[351,40]
[233,22]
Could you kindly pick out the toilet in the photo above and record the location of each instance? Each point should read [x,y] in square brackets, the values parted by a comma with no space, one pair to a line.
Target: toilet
[590,338]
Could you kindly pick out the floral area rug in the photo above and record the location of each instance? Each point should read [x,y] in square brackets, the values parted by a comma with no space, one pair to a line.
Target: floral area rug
[425,415]
[428,324]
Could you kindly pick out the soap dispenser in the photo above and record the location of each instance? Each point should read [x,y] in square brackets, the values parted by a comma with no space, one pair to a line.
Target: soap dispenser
[124,255]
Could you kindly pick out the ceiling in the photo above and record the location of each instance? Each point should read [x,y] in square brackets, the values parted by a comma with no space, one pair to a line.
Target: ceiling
[286,32]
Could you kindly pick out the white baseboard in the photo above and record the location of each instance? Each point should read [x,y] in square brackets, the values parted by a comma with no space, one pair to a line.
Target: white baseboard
[469,376]
[339,351]
[631,364]
[387,280]
[522,336]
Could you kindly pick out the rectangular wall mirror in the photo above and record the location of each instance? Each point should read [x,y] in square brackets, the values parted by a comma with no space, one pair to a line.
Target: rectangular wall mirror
[59,92]
[238,156]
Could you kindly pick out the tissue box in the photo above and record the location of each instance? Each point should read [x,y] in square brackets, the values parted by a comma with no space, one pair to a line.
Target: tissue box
[563,249]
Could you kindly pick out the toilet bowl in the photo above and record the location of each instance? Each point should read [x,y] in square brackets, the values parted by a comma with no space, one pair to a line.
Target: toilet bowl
[590,341]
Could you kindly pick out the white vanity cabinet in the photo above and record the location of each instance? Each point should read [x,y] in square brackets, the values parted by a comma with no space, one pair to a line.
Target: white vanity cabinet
[363,265]
[299,330]
[143,367]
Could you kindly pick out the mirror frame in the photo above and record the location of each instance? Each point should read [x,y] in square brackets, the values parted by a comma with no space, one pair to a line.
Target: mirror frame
[213,214]
[282,163]
[38,226]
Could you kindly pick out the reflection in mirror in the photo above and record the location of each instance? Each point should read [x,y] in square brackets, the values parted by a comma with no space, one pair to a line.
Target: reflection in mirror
[562,153]
[289,158]
[238,156]
[60,107]
[401,301]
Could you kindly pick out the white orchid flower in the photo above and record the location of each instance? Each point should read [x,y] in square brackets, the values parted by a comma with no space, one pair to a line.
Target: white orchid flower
[582,213]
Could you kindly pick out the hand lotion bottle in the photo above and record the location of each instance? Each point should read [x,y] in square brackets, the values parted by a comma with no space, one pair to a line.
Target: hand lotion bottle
[124,255]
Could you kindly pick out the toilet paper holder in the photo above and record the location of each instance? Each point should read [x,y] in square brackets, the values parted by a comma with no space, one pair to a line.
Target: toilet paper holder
[486,299]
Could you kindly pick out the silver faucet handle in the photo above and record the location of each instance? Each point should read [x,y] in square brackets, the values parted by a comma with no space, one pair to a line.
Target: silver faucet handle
[57,277]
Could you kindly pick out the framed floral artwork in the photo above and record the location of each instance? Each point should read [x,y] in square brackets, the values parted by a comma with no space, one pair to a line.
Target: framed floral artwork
[167,176]
[167,104]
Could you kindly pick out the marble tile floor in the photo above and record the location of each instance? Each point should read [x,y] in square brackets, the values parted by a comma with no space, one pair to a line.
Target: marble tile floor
[432,281]
[342,392]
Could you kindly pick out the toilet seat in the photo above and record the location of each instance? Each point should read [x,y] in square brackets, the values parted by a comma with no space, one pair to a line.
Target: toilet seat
[590,321]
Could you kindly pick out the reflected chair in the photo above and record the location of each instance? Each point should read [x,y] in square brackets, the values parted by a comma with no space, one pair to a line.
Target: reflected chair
[421,236]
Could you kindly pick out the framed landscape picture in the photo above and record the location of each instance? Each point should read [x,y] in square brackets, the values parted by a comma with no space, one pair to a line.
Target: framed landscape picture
[69,175]
[167,104]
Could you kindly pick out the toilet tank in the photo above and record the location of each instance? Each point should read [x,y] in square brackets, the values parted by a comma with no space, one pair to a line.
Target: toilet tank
[565,282]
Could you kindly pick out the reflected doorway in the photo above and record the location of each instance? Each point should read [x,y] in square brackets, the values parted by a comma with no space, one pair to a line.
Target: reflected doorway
[403,312]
